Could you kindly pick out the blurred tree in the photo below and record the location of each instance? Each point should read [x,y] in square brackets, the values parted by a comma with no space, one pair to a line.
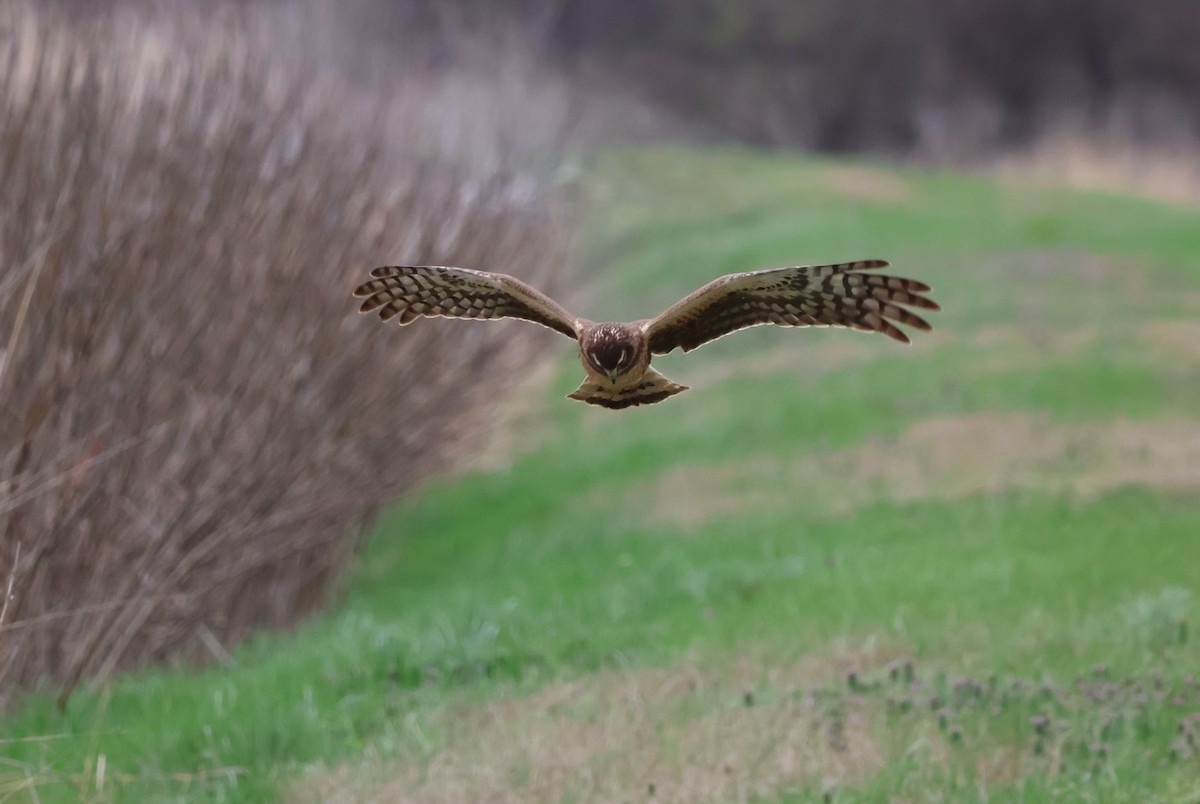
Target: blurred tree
[855,74]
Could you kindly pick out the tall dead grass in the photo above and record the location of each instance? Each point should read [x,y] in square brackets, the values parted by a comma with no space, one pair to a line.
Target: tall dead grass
[196,424]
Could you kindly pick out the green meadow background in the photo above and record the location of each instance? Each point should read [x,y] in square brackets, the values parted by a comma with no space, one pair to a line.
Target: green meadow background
[835,569]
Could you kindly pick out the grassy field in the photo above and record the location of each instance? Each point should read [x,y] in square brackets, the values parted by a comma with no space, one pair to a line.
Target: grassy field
[836,568]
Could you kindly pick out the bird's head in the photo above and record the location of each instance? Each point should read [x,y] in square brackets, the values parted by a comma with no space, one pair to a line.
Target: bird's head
[611,349]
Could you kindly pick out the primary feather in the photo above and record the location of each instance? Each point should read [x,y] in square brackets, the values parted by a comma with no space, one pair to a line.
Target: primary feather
[409,291]
[802,296]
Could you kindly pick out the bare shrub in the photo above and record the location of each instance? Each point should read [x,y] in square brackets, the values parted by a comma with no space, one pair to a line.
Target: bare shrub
[196,424]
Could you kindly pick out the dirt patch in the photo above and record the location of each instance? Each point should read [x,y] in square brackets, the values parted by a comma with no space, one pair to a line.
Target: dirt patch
[947,457]
[1019,347]
[1171,340]
[950,457]
[687,733]
[863,183]
[687,499]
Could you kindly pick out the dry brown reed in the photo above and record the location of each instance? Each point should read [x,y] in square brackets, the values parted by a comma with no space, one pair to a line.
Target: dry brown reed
[196,425]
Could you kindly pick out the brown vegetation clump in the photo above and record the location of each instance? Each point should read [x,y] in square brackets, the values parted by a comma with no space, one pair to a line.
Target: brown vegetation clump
[195,422]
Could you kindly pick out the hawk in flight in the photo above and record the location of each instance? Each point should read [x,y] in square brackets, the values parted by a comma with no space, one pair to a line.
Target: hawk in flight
[616,357]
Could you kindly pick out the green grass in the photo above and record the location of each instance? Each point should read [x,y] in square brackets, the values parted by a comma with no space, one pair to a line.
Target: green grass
[490,587]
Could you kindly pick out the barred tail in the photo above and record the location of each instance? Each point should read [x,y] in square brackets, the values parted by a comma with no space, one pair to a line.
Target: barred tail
[652,388]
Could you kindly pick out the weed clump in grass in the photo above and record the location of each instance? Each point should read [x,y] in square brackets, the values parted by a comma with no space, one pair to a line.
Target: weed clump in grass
[1074,727]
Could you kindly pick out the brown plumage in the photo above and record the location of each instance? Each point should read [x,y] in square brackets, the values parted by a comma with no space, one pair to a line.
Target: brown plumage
[617,356]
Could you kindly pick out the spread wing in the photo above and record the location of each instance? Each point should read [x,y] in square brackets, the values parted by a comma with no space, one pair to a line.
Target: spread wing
[802,296]
[433,290]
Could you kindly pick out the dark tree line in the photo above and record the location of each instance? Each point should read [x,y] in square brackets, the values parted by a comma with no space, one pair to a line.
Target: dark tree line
[895,74]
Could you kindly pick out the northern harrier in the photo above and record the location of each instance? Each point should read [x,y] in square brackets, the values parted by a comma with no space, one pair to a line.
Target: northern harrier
[616,357]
